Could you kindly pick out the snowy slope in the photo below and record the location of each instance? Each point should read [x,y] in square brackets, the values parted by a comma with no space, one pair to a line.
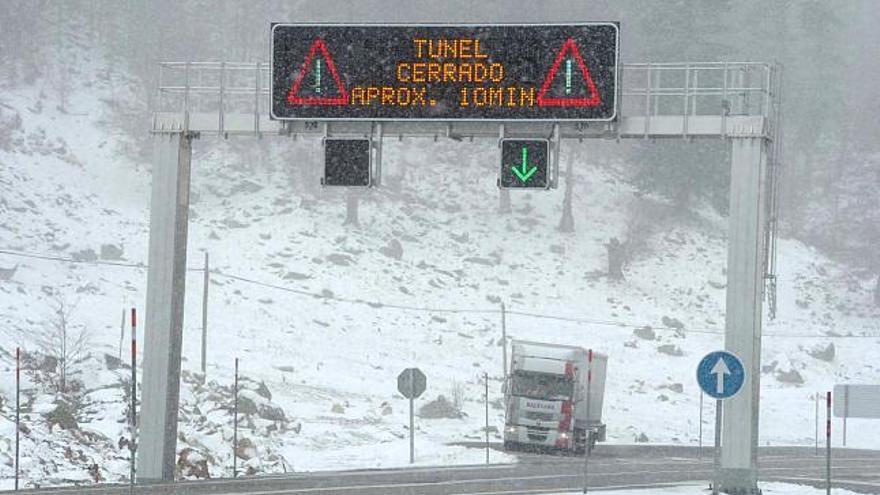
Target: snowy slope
[69,186]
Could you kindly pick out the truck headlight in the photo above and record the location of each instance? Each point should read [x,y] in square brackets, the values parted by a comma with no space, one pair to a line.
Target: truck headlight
[563,435]
[510,429]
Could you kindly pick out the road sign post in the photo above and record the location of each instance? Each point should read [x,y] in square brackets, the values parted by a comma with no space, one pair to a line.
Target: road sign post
[720,375]
[486,399]
[828,443]
[845,410]
[588,433]
[504,343]
[717,454]
[816,399]
[701,424]
[371,72]
[235,422]
[206,282]
[411,383]
[412,435]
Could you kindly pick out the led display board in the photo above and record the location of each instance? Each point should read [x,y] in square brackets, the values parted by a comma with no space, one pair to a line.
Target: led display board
[347,162]
[547,72]
[524,164]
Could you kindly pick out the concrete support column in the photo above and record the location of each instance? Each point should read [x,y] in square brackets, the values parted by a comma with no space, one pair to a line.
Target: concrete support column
[166,282]
[745,279]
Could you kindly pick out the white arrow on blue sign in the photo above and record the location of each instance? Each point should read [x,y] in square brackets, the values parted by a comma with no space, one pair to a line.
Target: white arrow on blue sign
[720,374]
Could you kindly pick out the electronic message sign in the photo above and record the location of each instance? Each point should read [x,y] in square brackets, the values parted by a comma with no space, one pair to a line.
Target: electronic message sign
[548,72]
[346,162]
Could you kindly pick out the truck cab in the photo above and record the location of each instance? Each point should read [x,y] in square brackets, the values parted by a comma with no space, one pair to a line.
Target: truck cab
[546,398]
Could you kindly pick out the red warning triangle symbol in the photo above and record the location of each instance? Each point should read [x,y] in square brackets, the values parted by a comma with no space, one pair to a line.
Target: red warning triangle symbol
[569,101]
[295,98]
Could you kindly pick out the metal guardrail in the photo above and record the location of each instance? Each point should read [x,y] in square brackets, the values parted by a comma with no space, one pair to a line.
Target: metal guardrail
[647,90]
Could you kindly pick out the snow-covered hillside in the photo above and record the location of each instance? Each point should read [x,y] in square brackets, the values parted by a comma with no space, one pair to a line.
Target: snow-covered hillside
[324,316]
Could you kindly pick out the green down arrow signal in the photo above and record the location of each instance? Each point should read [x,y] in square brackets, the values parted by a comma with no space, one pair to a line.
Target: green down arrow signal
[524,173]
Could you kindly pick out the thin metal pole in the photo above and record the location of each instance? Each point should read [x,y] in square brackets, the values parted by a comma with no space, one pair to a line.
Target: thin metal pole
[647,100]
[725,105]
[121,334]
[17,411]
[222,81]
[741,96]
[566,221]
[257,91]
[235,423]
[718,411]
[816,401]
[657,75]
[701,423]
[687,82]
[828,443]
[205,316]
[486,378]
[412,433]
[845,410]
[588,432]
[133,443]
[186,99]
[557,146]
[504,341]
[379,134]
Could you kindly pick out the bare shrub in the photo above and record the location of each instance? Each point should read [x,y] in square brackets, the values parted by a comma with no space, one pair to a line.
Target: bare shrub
[64,341]
[457,394]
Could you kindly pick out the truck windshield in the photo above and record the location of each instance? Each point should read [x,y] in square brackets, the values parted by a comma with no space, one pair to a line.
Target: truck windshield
[542,386]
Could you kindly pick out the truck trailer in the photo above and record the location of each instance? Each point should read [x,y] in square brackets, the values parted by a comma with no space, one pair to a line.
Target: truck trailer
[547,403]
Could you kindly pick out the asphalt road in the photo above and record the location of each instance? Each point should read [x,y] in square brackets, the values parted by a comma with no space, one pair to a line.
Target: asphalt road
[610,467]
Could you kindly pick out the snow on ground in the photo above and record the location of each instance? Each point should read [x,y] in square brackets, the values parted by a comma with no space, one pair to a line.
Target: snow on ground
[324,316]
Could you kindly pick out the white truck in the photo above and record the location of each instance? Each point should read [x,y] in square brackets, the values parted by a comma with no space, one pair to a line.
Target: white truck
[546,399]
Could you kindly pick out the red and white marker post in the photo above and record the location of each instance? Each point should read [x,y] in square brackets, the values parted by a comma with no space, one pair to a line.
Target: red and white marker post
[17,410]
[133,418]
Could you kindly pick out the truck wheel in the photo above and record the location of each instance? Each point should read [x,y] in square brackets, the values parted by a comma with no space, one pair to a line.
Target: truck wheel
[580,442]
[508,445]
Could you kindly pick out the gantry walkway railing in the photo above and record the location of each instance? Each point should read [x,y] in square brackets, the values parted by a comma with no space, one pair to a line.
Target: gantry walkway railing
[655,100]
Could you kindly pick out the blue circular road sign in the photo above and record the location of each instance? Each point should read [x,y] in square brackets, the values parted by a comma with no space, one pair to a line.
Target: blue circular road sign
[720,374]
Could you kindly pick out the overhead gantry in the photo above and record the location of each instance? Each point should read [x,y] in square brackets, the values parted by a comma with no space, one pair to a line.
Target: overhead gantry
[739,102]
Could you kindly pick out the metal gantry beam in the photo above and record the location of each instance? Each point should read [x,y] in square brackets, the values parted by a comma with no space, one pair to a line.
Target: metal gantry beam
[743,314]
[166,286]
